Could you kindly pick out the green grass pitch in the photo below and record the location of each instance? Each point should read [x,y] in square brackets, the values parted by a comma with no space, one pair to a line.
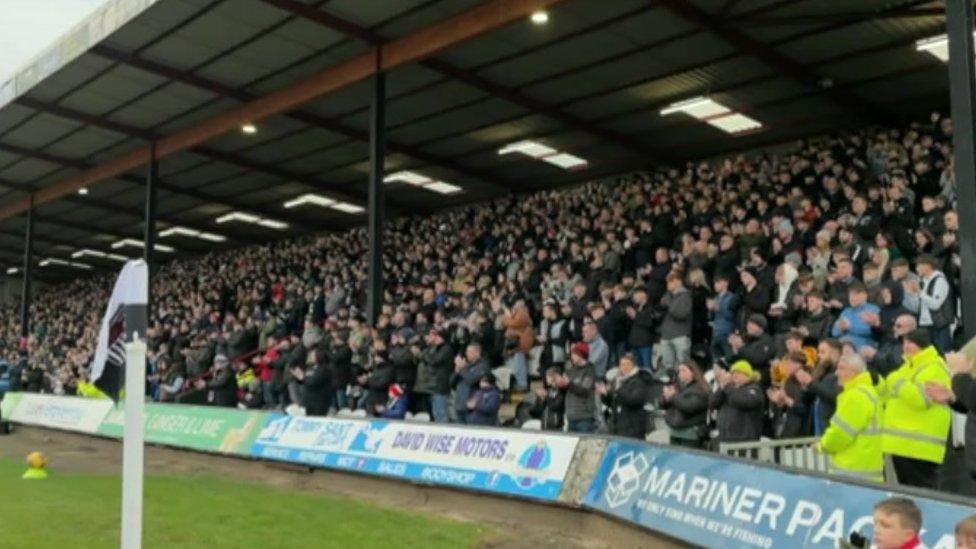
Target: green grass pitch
[81,511]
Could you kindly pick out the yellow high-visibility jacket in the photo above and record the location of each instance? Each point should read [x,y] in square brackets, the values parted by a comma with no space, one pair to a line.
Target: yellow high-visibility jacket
[853,438]
[914,426]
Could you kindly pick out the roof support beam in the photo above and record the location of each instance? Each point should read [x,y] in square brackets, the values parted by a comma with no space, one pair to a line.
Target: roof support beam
[175,189]
[207,152]
[305,117]
[773,58]
[470,78]
[841,18]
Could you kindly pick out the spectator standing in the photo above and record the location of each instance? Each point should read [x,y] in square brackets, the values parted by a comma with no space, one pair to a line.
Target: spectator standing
[686,405]
[756,348]
[916,428]
[857,318]
[675,345]
[791,403]
[642,328]
[483,405]
[853,438]
[932,299]
[469,368]
[725,310]
[518,343]
[822,383]
[962,398]
[579,382]
[553,336]
[740,403]
[316,382]
[626,397]
[599,355]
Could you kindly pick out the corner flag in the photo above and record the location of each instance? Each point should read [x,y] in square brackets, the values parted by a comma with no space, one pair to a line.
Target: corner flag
[125,314]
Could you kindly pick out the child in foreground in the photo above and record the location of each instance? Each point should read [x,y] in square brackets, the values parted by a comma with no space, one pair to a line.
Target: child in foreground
[897,523]
[966,533]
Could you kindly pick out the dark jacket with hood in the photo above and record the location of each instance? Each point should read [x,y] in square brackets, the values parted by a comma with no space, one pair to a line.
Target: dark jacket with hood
[740,412]
[628,418]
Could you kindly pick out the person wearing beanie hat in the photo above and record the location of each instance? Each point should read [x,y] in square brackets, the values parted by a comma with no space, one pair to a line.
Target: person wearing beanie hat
[740,403]
[582,349]
[756,347]
[579,382]
[396,404]
[483,405]
[915,428]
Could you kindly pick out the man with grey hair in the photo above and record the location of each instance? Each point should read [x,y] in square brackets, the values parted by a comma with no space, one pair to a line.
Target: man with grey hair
[853,438]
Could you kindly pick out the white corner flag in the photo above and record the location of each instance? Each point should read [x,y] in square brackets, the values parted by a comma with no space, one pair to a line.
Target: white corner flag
[120,355]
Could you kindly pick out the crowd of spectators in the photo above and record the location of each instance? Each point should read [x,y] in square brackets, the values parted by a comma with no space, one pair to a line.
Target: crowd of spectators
[724,293]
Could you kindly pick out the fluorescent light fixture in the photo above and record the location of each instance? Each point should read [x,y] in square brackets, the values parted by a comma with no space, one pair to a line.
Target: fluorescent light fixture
[252,219]
[408,177]
[545,153]
[528,148]
[540,17]
[734,123]
[699,107]
[56,261]
[249,129]
[192,233]
[715,114]
[422,181]
[348,208]
[139,244]
[565,161]
[99,254]
[12,271]
[83,191]
[442,188]
[315,199]
[937,46]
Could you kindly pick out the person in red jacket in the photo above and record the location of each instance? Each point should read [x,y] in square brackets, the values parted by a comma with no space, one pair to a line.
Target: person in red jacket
[263,371]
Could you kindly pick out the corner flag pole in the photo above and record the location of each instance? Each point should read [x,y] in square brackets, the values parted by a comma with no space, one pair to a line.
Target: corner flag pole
[120,358]
[132,445]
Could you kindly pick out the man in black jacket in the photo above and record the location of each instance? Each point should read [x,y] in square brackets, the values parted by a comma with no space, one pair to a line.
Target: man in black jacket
[822,383]
[222,387]
[434,374]
[962,398]
[756,347]
[642,329]
[626,399]
[791,402]
[338,356]
[316,383]
[739,402]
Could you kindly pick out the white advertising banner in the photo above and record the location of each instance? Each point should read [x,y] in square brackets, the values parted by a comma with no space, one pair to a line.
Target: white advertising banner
[83,415]
[513,462]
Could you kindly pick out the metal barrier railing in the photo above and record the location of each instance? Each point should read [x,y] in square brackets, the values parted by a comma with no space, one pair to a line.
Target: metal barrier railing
[792,452]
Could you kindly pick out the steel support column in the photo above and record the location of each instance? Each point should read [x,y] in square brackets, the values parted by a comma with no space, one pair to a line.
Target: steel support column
[149,240]
[962,86]
[28,272]
[377,212]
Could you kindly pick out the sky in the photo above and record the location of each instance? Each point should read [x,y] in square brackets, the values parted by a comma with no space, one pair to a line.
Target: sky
[28,27]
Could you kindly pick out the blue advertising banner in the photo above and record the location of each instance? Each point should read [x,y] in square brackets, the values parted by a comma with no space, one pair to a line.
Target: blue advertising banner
[520,463]
[716,502]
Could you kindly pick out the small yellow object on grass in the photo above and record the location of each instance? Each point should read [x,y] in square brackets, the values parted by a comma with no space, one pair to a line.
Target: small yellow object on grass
[35,467]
